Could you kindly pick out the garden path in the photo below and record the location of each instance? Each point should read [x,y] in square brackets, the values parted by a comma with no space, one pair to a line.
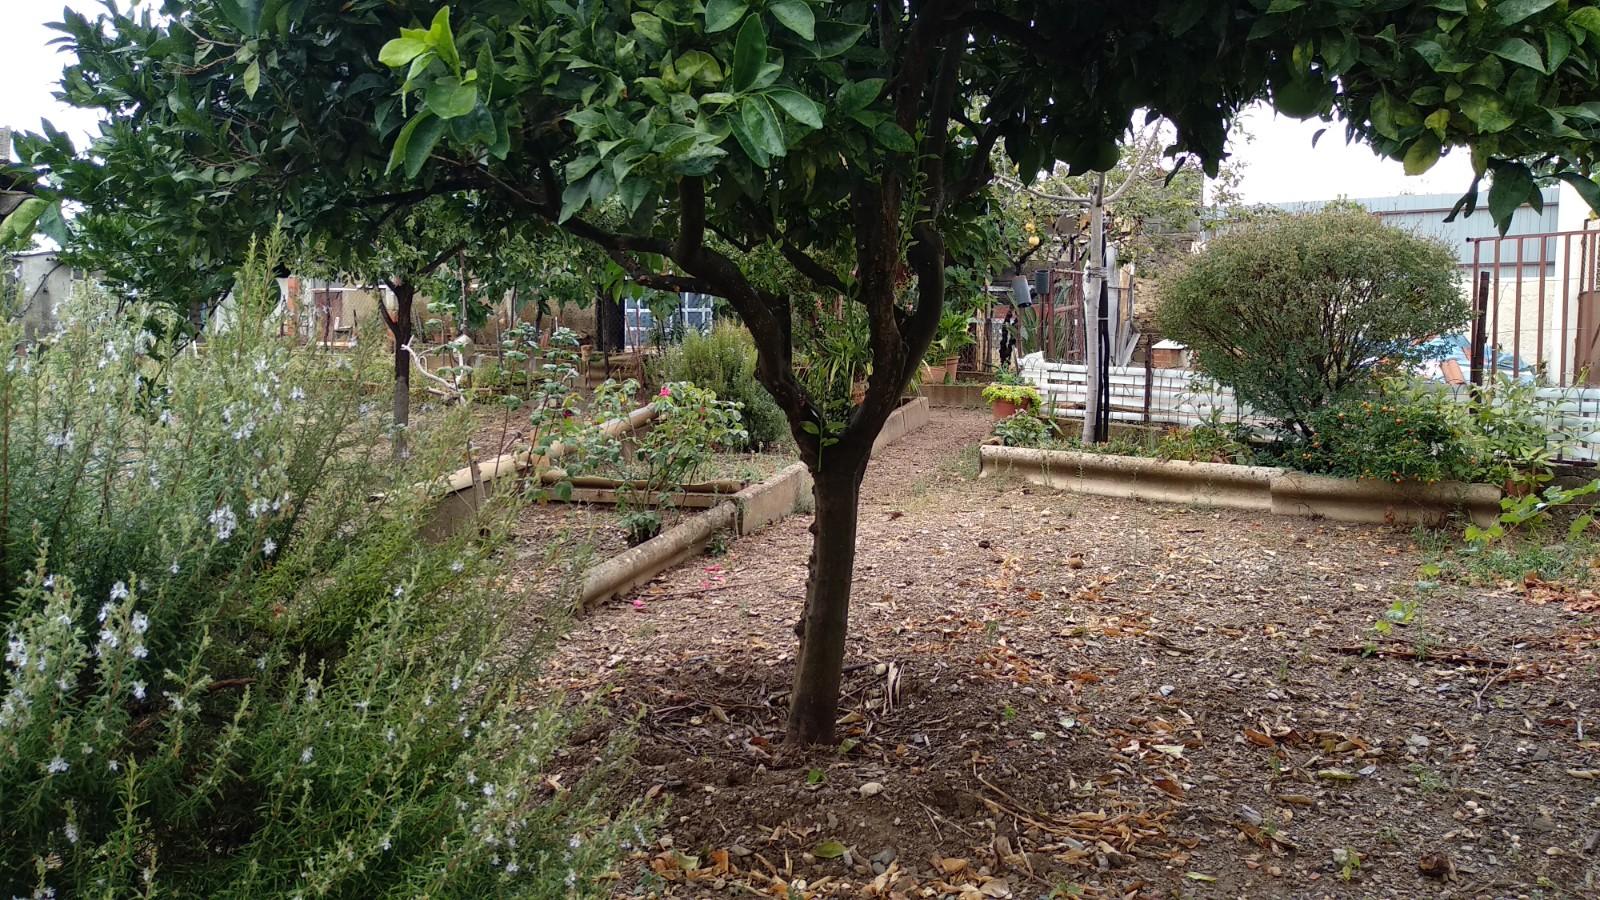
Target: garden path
[1050,691]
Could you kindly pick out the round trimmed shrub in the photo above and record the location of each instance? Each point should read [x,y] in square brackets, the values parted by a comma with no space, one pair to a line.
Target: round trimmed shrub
[1296,311]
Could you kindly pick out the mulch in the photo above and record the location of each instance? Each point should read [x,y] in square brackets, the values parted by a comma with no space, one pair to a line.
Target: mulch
[1100,698]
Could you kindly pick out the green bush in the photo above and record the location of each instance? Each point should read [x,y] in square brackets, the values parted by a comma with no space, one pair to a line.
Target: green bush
[724,361]
[1213,441]
[1295,312]
[1024,429]
[1403,431]
[232,669]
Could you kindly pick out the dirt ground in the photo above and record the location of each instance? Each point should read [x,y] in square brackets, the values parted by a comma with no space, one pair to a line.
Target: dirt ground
[1057,695]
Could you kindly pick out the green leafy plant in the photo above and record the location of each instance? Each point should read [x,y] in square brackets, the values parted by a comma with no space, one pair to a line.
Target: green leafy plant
[1022,396]
[1024,429]
[232,667]
[950,338]
[1515,433]
[724,362]
[1521,511]
[1404,431]
[1212,441]
[835,357]
[693,147]
[640,525]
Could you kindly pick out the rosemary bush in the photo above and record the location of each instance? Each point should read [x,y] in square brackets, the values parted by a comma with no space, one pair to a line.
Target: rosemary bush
[232,668]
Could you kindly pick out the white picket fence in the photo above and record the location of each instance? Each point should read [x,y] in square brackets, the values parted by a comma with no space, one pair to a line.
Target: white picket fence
[1181,397]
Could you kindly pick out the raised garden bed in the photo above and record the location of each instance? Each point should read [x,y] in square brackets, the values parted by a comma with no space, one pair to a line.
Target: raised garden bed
[1259,488]
[718,509]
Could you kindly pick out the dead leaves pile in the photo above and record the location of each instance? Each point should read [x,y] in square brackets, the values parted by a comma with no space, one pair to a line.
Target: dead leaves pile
[1538,592]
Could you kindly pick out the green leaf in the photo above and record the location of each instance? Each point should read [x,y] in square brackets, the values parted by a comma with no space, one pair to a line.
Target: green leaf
[893,137]
[1422,154]
[581,166]
[1586,19]
[834,38]
[632,192]
[1586,188]
[650,28]
[796,16]
[244,15]
[798,106]
[1520,52]
[1382,115]
[573,199]
[252,78]
[1486,109]
[1511,187]
[448,97]
[401,51]
[724,14]
[415,142]
[1513,11]
[856,96]
[1437,121]
[829,850]
[749,53]
[1557,47]
[698,65]
[761,125]
[19,224]
[52,224]
[443,41]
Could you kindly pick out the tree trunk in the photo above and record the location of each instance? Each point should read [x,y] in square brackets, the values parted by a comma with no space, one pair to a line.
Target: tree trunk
[609,323]
[814,702]
[400,330]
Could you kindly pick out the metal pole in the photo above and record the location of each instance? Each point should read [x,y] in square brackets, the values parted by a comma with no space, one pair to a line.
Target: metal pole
[1480,304]
[1091,343]
[1149,375]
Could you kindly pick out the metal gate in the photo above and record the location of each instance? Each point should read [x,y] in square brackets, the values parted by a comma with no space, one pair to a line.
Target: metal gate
[1536,307]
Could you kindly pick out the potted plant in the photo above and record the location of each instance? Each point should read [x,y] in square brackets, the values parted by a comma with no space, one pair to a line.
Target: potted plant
[948,342]
[1008,394]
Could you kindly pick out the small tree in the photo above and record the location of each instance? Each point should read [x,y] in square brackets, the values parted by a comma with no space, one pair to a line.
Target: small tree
[1295,311]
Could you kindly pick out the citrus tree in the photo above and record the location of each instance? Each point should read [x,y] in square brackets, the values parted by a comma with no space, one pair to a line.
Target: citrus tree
[693,142]
[803,125]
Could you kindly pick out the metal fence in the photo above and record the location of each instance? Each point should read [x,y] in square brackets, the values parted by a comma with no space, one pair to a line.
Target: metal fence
[1179,397]
[1536,307]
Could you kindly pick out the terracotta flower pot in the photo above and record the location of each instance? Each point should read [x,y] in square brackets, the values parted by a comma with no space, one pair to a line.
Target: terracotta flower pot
[950,365]
[1005,409]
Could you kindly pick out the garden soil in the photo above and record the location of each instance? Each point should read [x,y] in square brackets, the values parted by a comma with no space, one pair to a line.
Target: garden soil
[1055,693]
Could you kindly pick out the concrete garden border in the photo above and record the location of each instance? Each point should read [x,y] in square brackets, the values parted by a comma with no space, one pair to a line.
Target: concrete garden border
[1257,488]
[465,489]
[751,510]
[961,396]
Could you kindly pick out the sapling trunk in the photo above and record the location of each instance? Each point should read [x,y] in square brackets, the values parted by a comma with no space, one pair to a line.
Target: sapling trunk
[814,702]
[400,330]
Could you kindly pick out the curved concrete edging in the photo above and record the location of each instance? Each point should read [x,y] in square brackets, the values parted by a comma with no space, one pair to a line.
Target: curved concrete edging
[752,509]
[1258,488]
[907,417]
[637,565]
[464,490]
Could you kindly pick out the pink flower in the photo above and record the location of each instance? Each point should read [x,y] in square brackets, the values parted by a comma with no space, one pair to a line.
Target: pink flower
[638,604]
[666,391]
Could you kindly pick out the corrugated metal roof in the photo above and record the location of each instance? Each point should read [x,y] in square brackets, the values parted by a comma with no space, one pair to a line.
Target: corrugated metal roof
[1425,213]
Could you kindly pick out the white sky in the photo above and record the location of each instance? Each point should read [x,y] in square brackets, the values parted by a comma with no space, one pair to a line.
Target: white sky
[1279,161]
[30,68]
